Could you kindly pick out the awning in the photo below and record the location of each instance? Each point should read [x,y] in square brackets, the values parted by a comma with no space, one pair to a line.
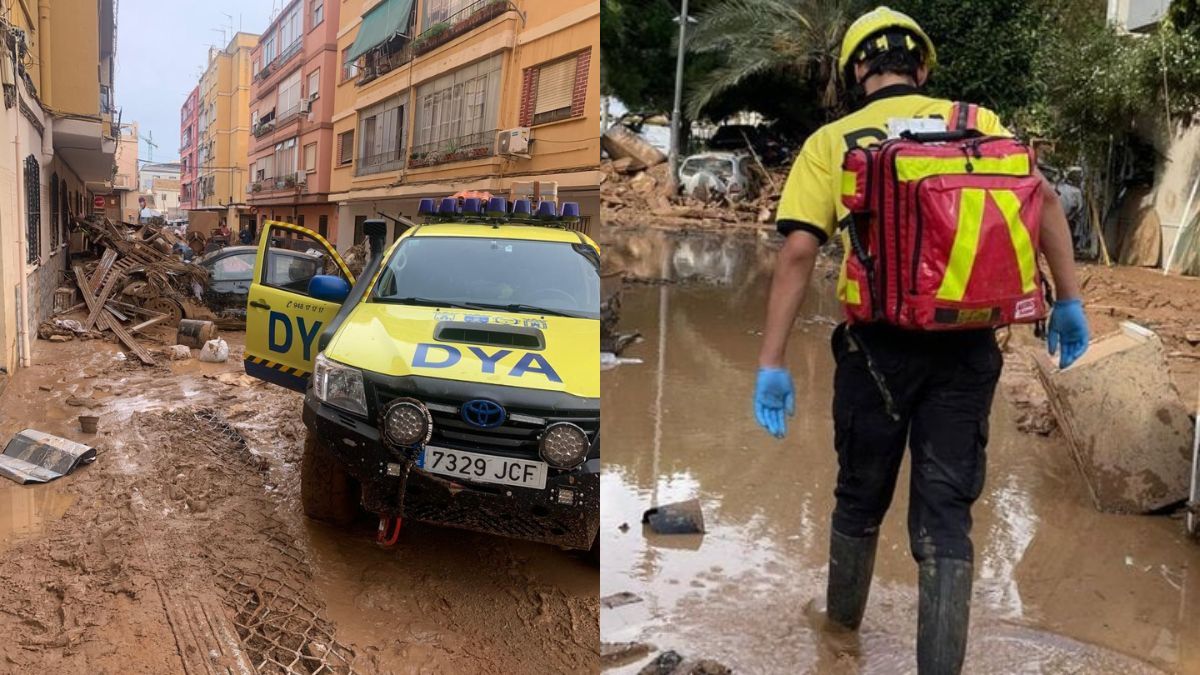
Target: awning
[379,25]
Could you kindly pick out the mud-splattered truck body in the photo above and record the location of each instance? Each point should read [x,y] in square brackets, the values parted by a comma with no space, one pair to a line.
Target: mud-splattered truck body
[455,383]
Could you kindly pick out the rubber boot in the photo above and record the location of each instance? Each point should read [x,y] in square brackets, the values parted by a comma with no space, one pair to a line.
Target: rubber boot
[944,611]
[851,564]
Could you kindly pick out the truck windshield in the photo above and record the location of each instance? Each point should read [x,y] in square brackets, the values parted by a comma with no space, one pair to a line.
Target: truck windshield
[513,275]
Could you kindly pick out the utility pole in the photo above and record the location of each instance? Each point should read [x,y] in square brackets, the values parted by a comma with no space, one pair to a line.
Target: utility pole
[676,114]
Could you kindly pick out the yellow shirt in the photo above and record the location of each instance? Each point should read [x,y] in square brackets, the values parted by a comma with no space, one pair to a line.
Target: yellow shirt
[811,199]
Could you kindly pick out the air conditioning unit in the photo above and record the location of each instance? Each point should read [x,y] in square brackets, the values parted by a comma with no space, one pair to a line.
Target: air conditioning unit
[514,141]
[306,105]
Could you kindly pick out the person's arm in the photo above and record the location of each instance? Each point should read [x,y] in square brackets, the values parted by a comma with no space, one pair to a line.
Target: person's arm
[1056,245]
[1068,326]
[793,270]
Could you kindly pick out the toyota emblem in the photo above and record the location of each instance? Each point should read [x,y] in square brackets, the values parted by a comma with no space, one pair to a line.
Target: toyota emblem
[483,413]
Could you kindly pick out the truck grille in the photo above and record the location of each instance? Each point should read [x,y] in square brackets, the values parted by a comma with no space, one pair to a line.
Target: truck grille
[517,437]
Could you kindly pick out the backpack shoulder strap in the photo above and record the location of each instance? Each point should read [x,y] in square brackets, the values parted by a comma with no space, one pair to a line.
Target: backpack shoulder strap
[962,116]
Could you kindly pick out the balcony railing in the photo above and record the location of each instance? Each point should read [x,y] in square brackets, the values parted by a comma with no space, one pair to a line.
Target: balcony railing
[123,181]
[278,62]
[263,127]
[393,160]
[471,17]
[289,181]
[384,59]
[459,149]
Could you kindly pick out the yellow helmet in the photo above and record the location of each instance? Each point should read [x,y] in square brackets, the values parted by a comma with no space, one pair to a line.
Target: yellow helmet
[880,19]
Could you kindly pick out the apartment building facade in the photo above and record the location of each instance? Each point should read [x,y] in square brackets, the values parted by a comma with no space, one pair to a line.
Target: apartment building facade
[58,110]
[440,96]
[187,148]
[291,110]
[223,133]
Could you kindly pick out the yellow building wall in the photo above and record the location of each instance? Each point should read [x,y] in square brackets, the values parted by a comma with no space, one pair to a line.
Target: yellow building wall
[74,42]
[226,84]
[552,29]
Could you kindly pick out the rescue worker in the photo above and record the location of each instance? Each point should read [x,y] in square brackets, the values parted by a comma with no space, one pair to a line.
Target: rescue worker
[940,383]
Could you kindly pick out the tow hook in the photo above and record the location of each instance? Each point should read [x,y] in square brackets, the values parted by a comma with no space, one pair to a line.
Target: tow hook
[389,531]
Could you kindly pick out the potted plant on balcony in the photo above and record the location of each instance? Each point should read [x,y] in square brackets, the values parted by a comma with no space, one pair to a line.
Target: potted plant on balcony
[256,187]
[289,181]
[435,35]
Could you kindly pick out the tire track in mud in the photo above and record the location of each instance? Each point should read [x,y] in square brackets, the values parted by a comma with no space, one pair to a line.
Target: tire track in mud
[252,559]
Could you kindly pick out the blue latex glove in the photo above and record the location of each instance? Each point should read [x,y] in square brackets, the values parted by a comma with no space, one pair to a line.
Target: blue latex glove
[774,400]
[1068,328]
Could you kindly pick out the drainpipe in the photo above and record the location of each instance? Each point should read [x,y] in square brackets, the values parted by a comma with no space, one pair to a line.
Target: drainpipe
[22,255]
[44,51]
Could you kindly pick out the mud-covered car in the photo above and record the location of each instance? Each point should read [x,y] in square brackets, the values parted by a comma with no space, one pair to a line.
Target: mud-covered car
[456,382]
[231,270]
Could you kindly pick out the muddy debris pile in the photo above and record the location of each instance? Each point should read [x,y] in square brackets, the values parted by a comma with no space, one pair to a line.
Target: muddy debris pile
[632,196]
[137,282]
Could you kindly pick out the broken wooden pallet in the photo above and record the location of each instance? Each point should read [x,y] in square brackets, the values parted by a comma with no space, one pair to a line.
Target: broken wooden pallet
[108,321]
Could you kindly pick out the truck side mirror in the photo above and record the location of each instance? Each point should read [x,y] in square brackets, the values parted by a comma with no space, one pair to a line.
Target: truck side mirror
[329,288]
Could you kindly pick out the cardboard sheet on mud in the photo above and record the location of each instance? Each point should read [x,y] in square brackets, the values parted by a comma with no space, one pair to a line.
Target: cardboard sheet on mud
[37,457]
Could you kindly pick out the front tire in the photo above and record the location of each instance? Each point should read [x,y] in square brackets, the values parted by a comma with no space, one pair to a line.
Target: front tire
[327,491]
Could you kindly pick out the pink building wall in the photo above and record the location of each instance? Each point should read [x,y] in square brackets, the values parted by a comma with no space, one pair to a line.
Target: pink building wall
[318,51]
[188,154]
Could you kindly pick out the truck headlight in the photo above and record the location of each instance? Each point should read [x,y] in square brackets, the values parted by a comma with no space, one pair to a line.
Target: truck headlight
[407,422]
[339,385]
[563,445]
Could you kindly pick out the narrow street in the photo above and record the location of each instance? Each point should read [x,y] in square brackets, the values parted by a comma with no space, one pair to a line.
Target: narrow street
[183,548]
[1060,587]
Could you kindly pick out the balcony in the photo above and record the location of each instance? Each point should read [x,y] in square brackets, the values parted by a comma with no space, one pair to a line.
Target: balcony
[460,23]
[290,181]
[384,59]
[265,125]
[279,61]
[459,149]
[392,160]
[123,181]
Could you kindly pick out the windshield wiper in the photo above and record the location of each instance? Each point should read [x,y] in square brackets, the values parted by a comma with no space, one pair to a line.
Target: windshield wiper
[522,308]
[422,302]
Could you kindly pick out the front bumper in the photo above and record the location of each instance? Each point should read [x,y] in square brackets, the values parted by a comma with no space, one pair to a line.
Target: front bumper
[521,513]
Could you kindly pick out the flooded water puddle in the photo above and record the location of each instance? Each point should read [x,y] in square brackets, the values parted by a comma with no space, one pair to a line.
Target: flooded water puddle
[27,509]
[1059,587]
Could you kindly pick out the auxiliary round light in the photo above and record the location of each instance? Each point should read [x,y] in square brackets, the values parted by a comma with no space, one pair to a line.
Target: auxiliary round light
[563,445]
[407,422]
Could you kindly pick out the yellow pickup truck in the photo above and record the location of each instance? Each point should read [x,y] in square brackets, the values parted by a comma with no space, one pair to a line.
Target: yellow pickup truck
[455,382]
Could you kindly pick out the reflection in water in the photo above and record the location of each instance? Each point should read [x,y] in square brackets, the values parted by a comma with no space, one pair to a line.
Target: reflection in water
[27,509]
[1055,590]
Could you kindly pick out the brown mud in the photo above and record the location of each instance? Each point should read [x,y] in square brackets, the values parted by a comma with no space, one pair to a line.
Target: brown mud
[1059,588]
[183,549]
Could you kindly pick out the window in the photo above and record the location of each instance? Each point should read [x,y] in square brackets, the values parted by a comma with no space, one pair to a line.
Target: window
[314,84]
[64,214]
[345,147]
[234,268]
[33,207]
[381,130]
[458,105]
[438,11]
[289,96]
[256,67]
[285,158]
[310,157]
[268,52]
[54,213]
[318,12]
[349,66]
[289,30]
[323,226]
[300,220]
[555,87]
[291,270]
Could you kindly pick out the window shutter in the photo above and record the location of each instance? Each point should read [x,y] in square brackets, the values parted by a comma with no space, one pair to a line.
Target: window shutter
[555,85]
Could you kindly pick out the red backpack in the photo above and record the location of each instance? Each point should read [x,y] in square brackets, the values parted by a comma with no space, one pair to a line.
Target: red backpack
[943,230]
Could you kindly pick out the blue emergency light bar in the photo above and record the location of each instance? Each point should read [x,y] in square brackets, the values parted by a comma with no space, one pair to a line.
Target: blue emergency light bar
[497,211]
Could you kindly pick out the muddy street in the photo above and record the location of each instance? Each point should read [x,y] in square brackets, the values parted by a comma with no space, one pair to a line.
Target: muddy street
[1060,587]
[183,548]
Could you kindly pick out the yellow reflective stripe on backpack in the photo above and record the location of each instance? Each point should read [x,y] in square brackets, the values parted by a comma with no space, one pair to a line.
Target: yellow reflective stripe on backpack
[966,243]
[1010,206]
[916,168]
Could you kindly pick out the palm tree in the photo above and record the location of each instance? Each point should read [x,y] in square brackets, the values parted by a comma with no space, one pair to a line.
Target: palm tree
[794,38]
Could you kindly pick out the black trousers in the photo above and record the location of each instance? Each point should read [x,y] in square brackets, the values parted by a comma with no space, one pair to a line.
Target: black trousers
[929,391]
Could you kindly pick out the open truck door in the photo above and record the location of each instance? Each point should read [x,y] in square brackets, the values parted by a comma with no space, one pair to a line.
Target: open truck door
[299,285]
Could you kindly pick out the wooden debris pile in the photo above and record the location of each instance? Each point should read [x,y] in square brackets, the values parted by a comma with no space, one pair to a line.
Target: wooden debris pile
[137,264]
